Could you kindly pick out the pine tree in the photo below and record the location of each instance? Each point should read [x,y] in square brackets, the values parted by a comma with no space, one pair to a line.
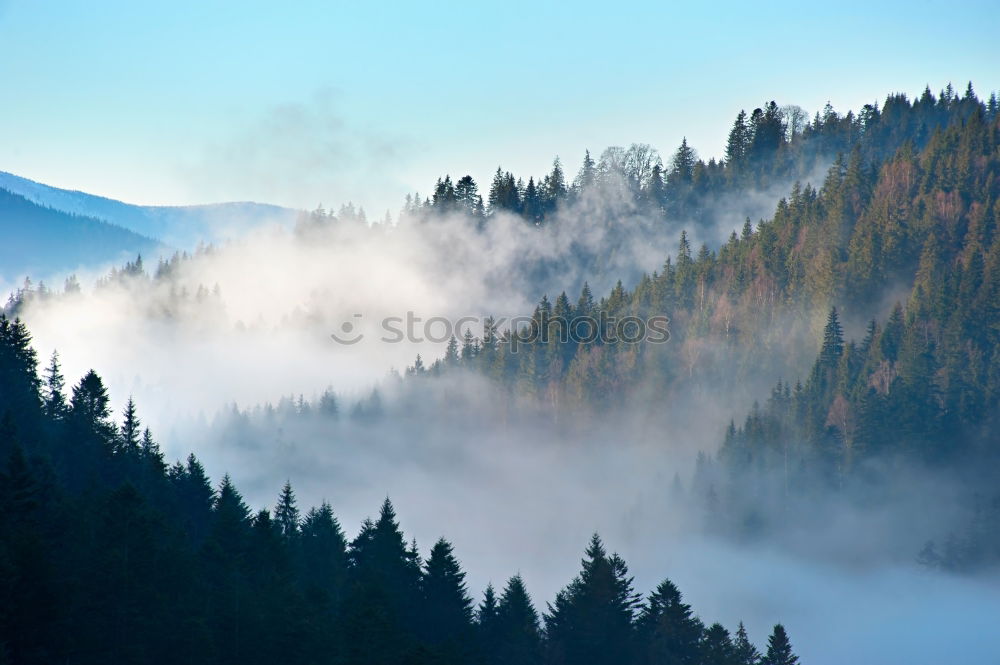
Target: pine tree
[467,196]
[150,452]
[591,619]
[230,522]
[892,335]
[470,347]
[195,495]
[655,192]
[286,514]
[585,303]
[555,186]
[519,631]
[586,178]
[89,407]
[717,647]
[833,340]
[668,630]
[55,387]
[129,438]
[323,560]
[533,204]
[767,131]
[328,404]
[447,616]
[682,164]
[383,607]
[744,651]
[779,649]
[451,356]
[488,627]
[739,142]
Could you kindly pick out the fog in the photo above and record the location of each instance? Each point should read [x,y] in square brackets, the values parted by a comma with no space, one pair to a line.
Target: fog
[524,496]
[261,329]
[515,487]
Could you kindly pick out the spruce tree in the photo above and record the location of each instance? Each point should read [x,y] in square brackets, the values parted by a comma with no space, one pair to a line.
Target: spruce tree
[779,649]
[744,651]
[89,407]
[682,164]
[555,186]
[586,178]
[738,143]
[833,340]
[591,619]
[716,647]
[55,390]
[286,514]
[451,354]
[668,630]
[382,609]
[447,608]
[130,435]
[518,628]
[487,627]
[324,553]
[149,450]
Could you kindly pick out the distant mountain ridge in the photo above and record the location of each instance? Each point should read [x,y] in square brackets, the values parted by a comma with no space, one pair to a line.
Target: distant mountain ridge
[40,242]
[179,226]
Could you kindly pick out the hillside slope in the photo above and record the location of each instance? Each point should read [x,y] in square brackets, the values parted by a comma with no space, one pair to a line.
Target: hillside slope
[39,241]
[179,226]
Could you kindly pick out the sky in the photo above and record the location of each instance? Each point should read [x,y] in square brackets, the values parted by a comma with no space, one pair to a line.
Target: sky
[324,102]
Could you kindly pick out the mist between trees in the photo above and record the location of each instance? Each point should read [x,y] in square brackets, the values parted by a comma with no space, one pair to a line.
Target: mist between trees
[855,455]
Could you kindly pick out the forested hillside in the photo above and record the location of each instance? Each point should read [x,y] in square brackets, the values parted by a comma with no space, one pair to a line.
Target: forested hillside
[176,226]
[110,554]
[921,220]
[922,385]
[902,233]
[40,240]
[896,241]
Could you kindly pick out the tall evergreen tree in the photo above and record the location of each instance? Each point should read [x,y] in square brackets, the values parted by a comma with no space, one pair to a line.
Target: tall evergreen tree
[518,628]
[669,632]
[682,164]
[744,651]
[717,647]
[590,621]
[833,340]
[129,438]
[286,513]
[779,649]
[89,407]
[586,178]
[739,141]
[488,627]
[55,390]
[447,616]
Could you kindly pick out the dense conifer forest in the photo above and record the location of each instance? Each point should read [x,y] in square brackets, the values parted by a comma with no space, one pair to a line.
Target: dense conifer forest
[110,554]
[887,226]
[50,239]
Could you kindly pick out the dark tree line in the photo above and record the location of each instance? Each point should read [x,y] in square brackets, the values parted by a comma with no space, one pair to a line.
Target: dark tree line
[772,144]
[109,554]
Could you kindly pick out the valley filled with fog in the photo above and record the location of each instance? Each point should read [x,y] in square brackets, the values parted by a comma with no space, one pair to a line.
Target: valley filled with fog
[229,353]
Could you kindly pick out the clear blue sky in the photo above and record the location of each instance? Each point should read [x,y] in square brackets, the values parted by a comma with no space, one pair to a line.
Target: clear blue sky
[306,102]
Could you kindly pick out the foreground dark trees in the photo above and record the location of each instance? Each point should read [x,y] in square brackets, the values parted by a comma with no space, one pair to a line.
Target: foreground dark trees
[109,555]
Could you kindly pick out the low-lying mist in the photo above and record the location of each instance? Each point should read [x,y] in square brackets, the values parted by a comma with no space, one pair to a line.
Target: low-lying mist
[250,320]
[515,487]
[523,495]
